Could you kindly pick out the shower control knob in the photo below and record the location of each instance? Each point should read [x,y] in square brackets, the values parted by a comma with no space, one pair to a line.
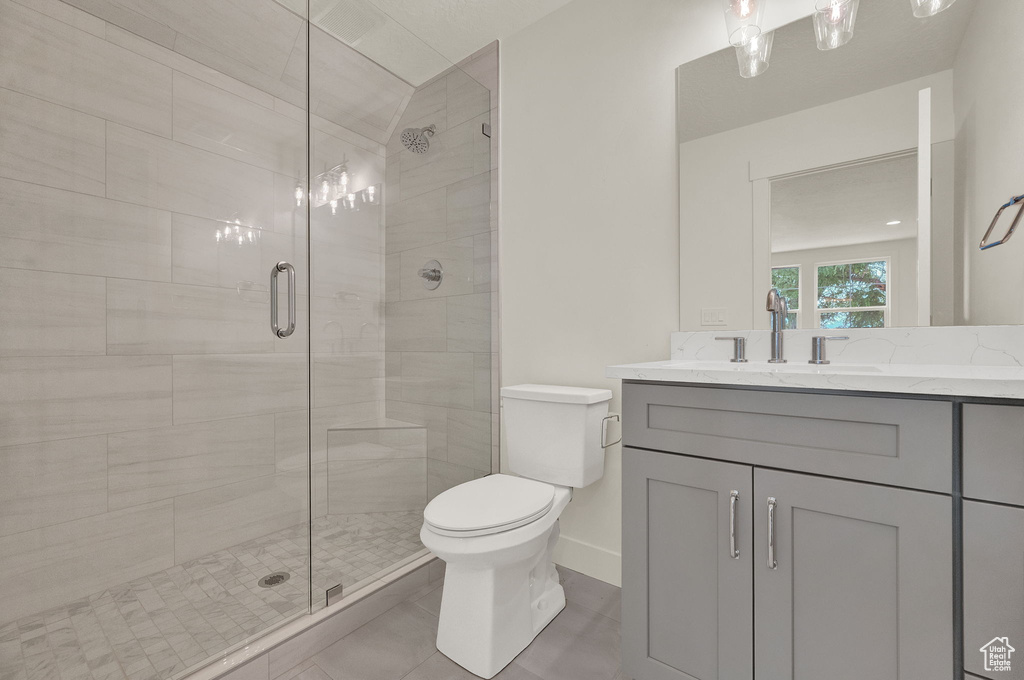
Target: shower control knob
[431,273]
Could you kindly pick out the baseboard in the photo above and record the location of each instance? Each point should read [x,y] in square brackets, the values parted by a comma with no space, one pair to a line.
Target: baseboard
[600,563]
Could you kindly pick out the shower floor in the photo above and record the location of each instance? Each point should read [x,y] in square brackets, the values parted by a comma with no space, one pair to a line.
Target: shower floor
[162,624]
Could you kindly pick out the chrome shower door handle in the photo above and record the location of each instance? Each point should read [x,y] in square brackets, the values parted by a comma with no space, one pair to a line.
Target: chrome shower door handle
[772,564]
[734,497]
[274,326]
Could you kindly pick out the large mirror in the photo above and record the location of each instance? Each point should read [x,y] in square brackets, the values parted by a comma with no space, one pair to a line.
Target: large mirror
[859,181]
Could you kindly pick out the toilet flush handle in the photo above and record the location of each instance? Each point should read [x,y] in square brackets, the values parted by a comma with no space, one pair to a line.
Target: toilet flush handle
[604,430]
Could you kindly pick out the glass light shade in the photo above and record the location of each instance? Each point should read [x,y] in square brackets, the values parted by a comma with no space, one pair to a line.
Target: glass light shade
[743,19]
[833,22]
[753,55]
[929,8]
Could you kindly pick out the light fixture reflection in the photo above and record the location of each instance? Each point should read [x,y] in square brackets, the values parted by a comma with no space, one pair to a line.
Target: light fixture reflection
[753,54]
[893,223]
[929,8]
[833,22]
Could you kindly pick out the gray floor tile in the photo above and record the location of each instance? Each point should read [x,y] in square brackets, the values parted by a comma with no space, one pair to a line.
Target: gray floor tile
[432,600]
[440,667]
[590,593]
[313,673]
[387,648]
[578,645]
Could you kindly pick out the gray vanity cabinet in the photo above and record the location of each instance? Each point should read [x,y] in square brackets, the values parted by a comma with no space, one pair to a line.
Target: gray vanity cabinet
[688,611]
[862,584]
[993,586]
[862,579]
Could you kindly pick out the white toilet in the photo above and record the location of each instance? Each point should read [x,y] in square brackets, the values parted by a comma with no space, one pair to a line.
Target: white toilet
[496,534]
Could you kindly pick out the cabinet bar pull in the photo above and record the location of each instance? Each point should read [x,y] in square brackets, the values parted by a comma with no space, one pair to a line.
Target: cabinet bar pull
[772,564]
[734,497]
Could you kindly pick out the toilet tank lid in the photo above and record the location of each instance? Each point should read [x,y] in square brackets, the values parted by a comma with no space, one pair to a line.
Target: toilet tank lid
[557,393]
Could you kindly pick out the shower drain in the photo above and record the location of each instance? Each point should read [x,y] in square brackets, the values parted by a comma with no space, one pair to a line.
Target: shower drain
[275,579]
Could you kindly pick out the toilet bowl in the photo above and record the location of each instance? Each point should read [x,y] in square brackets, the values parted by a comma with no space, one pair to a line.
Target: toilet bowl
[501,588]
[497,534]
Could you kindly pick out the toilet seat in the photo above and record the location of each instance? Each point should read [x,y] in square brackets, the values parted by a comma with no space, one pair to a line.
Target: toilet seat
[488,505]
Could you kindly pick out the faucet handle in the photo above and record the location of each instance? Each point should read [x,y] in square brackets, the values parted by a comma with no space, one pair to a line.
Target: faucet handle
[818,348]
[739,348]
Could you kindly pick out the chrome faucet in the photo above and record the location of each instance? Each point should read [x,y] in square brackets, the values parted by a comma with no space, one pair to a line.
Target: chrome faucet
[779,308]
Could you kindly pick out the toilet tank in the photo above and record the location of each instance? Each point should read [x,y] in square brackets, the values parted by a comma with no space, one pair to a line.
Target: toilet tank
[553,433]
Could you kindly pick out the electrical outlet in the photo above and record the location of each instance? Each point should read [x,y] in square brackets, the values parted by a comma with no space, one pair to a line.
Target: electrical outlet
[712,316]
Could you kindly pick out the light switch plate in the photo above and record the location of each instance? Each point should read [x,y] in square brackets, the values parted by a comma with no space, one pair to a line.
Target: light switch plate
[712,316]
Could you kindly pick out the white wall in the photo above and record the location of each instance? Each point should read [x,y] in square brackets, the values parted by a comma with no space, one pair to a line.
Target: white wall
[988,96]
[589,244]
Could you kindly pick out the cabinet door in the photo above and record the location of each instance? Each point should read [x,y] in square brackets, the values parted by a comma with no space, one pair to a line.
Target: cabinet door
[862,586]
[686,601]
[993,589]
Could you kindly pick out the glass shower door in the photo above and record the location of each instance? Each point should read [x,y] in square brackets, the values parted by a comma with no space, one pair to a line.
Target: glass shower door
[154,455]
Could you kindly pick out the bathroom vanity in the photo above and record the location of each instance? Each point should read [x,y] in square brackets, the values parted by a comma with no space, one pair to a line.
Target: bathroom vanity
[776,527]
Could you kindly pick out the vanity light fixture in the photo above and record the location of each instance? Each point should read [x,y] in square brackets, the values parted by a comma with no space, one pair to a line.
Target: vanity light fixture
[743,19]
[833,22]
[929,8]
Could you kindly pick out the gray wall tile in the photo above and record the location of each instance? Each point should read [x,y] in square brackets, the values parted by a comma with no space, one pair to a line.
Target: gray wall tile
[51,145]
[76,69]
[163,463]
[417,326]
[52,230]
[167,318]
[51,314]
[98,551]
[213,387]
[209,520]
[160,173]
[52,482]
[358,486]
[51,398]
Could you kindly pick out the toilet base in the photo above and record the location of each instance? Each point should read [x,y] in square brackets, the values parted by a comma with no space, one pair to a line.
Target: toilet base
[488,616]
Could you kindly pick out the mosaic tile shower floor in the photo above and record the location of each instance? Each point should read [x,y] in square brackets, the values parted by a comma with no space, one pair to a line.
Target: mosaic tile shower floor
[161,625]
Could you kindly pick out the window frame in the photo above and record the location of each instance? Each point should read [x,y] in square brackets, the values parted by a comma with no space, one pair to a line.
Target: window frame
[886,310]
[799,288]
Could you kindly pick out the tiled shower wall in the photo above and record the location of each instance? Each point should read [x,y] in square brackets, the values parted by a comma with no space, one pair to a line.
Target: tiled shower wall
[148,414]
[441,345]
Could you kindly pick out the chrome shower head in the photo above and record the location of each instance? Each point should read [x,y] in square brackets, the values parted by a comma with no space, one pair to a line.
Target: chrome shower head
[417,140]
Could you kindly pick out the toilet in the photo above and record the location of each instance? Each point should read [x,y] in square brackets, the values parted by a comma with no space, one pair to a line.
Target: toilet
[496,534]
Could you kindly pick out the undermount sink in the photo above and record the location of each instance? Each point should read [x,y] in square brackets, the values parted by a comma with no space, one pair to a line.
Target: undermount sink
[764,367]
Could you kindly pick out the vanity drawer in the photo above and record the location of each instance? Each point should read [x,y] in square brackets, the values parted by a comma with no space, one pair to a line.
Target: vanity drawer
[900,442]
[994,453]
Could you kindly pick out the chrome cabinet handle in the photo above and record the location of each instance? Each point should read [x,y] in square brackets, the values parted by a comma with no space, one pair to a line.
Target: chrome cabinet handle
[734,497]
[277,269]
[772,564]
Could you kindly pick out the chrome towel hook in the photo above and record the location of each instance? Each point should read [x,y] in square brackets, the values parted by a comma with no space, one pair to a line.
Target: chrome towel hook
[1016,200]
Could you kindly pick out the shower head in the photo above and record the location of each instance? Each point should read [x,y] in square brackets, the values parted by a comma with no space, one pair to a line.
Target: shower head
[417,140]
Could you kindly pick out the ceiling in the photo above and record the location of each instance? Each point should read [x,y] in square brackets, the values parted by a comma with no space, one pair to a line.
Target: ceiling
[845,206]
[417,39]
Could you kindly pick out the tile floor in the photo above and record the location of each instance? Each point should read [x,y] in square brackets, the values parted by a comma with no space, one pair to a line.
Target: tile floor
[582,643]
[156,627]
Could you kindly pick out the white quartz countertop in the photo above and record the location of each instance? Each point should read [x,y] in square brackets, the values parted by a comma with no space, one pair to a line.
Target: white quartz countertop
[937,379]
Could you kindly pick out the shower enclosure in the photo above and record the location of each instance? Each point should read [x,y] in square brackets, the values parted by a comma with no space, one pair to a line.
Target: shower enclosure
[229,380]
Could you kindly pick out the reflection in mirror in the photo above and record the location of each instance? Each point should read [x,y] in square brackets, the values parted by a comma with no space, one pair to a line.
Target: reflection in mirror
[858,180]
[844,240]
